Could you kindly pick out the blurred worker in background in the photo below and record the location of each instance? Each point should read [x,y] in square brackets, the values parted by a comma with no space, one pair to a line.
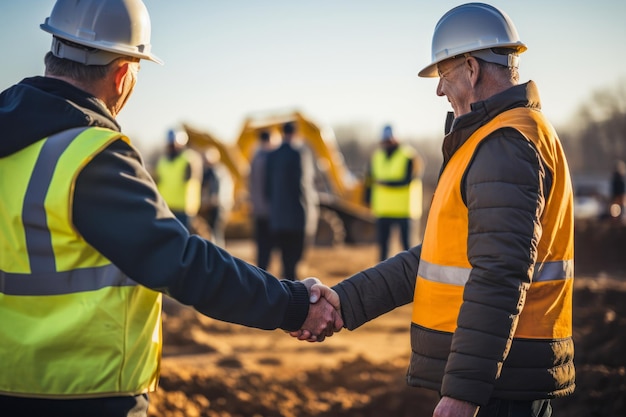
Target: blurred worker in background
[492,281]
[393,190]
[88,245]
[178,176]
[618,191]
[258,199]
[217,195]
[293,200]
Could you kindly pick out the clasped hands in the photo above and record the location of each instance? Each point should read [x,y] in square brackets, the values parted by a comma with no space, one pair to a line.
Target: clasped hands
[324,318]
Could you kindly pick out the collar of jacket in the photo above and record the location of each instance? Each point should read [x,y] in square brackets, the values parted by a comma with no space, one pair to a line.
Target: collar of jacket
[38,107]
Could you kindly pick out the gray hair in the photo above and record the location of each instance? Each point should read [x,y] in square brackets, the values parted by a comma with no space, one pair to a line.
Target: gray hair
[61,67]
[511,73]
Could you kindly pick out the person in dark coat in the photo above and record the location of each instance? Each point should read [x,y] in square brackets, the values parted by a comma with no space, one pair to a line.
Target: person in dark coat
[258,198]
[618,190]
[292,198]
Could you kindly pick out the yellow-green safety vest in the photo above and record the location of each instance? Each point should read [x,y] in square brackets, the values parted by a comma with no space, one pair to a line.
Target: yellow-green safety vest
[444,267]
[395,202]
[72,325]
[172,181]
[182,193]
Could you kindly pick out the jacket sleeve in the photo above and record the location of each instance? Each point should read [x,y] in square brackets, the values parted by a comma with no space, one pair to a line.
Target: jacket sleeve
[504,190]
[118,210]
[380,289]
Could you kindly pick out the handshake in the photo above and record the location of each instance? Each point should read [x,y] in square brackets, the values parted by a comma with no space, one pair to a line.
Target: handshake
[324,318]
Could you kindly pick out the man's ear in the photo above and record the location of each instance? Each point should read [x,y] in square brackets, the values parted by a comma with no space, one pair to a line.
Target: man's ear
[119,72]
[473,70]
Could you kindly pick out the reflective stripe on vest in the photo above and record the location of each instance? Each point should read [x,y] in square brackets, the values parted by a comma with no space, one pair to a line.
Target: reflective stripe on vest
[64,282]
[73,325]
[400,201]
[453,275]
[444,268]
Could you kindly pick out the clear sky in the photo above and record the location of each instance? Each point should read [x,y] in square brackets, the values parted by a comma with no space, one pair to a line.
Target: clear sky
[342,62]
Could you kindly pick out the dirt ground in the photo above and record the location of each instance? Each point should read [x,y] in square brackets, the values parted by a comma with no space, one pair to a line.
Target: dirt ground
[216,369]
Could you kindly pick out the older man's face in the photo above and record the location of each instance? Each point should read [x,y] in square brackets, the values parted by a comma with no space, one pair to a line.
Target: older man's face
[455,84]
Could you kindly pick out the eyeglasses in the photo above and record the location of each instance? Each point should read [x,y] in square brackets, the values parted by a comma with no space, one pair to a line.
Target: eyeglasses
[449,70]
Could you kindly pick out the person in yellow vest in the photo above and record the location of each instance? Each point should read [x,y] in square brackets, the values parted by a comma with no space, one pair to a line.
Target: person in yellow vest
[491,284]
[393,190]
[178,176]
[88,244]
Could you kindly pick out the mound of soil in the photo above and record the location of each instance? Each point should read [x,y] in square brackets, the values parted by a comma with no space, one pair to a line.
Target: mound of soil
[216,369]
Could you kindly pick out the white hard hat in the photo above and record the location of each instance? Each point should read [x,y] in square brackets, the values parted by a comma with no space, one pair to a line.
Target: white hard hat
[95,32]
[479,29]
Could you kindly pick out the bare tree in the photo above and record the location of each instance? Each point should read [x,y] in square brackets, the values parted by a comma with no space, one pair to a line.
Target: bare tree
[600,135]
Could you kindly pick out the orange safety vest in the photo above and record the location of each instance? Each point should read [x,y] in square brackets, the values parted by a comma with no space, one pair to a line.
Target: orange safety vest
[444,267]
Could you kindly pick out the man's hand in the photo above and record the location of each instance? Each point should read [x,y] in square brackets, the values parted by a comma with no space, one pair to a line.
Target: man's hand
[318,290]
[451,407]
[321,297]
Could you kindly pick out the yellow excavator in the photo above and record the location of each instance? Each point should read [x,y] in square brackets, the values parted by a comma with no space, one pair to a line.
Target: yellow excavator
[344,218]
